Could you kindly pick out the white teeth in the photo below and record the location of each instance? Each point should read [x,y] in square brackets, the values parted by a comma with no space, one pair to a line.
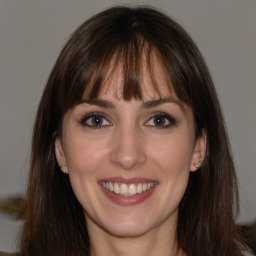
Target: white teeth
[111,187]
[116,188]
[128,190]
[132,189]
[139,188]
[123,189]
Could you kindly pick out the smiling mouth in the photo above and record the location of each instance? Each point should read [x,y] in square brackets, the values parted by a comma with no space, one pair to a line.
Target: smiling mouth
[124,189]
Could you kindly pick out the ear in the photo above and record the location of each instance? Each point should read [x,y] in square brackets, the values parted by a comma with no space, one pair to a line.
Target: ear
[60,156]
[199,152]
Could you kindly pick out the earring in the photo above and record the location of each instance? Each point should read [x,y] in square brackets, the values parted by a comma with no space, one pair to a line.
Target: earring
[65,171]
[197,166]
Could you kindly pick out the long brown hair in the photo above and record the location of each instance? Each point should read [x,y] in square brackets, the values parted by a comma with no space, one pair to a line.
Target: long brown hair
[54,221]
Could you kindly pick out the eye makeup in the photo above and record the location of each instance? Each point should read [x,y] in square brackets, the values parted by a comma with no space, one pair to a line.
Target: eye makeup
[161,120]
[95,120]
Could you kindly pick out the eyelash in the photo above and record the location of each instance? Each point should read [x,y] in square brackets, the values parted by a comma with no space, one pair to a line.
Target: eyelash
[167,118]
[95,115]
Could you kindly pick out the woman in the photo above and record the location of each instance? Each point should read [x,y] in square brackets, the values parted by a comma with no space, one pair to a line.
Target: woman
[129,152]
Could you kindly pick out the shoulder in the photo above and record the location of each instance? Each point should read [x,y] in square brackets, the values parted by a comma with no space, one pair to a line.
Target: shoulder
[7,254]
[245,253]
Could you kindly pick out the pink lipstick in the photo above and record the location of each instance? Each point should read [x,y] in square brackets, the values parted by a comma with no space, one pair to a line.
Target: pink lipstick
[128,192]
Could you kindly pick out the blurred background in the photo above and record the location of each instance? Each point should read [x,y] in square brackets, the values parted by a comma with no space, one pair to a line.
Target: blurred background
[33,32]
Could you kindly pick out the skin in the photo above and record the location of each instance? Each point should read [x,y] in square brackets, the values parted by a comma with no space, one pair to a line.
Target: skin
[129,144]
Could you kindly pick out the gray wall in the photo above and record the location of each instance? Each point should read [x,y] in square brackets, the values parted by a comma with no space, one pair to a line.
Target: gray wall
[33,32]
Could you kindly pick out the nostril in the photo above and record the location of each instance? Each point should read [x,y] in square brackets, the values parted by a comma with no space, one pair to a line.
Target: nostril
[127,160]
[128,151]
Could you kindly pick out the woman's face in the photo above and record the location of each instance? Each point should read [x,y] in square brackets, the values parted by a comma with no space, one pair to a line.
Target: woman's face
[129,161]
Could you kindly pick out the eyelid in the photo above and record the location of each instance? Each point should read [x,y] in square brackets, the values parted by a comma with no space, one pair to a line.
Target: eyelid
[170,118]
[86,117]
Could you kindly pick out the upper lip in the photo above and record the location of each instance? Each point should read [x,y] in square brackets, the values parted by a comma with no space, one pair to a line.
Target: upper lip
[128,180]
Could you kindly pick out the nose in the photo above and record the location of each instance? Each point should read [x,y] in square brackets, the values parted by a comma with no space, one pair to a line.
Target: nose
[128,149]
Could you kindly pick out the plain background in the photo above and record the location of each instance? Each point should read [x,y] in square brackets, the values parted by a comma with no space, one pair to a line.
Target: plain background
[32,32]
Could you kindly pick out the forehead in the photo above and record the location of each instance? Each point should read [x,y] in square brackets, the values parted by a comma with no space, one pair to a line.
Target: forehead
[149,80]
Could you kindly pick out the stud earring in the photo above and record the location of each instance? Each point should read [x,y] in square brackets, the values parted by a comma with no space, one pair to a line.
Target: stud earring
[65,171]
[197,166]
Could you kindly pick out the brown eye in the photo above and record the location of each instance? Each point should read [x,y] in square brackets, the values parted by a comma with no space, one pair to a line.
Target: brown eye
[95,120]
[161,120]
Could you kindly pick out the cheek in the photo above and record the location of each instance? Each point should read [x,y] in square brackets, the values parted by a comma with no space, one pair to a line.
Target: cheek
[83,157]
[173,155]
[173,160]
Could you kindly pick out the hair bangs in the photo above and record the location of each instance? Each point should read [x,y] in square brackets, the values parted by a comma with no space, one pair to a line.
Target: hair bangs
[127,46]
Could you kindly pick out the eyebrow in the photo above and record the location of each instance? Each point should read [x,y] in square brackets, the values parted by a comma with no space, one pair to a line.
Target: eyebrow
[97,102]
[147,104]
[158,102]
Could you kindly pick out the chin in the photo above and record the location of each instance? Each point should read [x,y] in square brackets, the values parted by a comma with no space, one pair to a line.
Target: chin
[131,227]
[127,231]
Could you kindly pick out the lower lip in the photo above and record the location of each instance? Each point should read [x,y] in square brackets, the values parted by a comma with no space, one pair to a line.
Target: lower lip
[128,200]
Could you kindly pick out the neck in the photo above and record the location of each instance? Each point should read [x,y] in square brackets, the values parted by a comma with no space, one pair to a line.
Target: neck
[159,241]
